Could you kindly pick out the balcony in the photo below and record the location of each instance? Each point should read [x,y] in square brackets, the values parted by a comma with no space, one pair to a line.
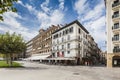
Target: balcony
[115,40]
[116,28]
[115,17]
[116,50]
[115,5]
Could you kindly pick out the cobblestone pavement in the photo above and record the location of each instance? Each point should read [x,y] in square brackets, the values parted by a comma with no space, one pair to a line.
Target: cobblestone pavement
[36,71]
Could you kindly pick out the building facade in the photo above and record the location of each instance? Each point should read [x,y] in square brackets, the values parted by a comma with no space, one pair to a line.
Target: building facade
[93,51]
[113,32]
[29,48]
[71,43]
[40,46]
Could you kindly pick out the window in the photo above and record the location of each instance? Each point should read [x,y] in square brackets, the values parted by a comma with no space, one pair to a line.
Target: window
[116,37]
[116,25]
[57,54]
[63,32]
[62,53]
[57,40]
[53,48]
[62,39]
[68,52]
[55,36]
[57,47]
[68,37]
[60,34]
[79,45]
[79,31]
[71,29]
[116,1]
[66,31]
[68,45]
[78,53]
[62,46]
[53,54]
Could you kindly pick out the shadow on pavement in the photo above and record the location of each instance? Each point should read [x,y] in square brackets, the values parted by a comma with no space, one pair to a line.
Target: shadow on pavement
[27,68]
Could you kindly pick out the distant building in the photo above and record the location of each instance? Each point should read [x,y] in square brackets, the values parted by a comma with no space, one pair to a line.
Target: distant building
[93,51]
[113,32]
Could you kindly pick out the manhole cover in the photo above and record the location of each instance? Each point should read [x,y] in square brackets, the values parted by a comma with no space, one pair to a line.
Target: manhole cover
[76,73]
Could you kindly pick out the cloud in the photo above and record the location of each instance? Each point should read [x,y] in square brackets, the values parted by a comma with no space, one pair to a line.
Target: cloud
[81,6]
[44,6]
[11,24]
[92,18]
[50,16]
[61,5]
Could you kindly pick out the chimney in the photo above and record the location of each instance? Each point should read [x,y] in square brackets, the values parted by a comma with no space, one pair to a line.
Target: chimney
[41,31]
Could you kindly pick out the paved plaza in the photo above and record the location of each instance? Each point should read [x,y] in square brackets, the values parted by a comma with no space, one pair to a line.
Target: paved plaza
[36,71]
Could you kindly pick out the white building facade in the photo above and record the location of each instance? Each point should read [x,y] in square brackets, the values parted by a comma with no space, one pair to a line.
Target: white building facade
[70,42]
[113,32]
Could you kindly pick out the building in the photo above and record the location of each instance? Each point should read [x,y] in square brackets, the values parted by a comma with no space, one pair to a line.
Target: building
[93,55]
[70,43]
[29,48]
[40,46]
[113,32]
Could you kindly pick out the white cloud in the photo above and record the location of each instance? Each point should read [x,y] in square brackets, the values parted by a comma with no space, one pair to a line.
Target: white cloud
[45,17]
[93,19]
[94,13]
[81,6]
[11,24]
[50,16]
[56,17]
[61,5]
[44,6]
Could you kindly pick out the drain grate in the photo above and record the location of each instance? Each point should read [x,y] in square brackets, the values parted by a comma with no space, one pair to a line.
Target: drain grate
[76,73]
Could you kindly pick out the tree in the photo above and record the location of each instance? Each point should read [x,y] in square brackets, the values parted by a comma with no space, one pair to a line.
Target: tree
[11,44]
[5,6]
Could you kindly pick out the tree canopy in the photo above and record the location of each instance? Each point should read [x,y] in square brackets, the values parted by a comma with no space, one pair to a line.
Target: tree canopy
[5,6]
[11,44]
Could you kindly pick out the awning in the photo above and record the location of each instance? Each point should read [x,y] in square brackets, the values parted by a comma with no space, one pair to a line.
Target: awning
[40,57]
[60,58]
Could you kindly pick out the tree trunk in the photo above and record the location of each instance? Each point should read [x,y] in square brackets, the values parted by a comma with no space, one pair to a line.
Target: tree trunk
[10,59]
[7,61]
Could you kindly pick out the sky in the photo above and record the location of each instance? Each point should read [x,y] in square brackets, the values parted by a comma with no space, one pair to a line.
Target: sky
[35,14]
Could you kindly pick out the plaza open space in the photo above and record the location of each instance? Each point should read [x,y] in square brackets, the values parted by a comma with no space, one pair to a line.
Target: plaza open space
[37,71]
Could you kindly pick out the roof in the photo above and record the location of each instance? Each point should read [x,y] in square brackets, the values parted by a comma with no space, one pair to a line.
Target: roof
[77,22]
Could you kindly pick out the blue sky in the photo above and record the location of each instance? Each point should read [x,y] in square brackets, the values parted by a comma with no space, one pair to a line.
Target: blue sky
[35,14]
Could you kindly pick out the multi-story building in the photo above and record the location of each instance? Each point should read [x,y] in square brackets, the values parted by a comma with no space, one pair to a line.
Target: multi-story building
[70,43]
[113,32]
[29,48]
[40,46]
[93,55]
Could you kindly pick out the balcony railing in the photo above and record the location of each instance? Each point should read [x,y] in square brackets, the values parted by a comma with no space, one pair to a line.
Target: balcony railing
[116,50]
[115,39]
[115,4]
[115,15]
[115,27]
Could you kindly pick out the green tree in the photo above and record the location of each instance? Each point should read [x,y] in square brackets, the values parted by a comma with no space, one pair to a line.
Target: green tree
[5,6]
[11,44]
